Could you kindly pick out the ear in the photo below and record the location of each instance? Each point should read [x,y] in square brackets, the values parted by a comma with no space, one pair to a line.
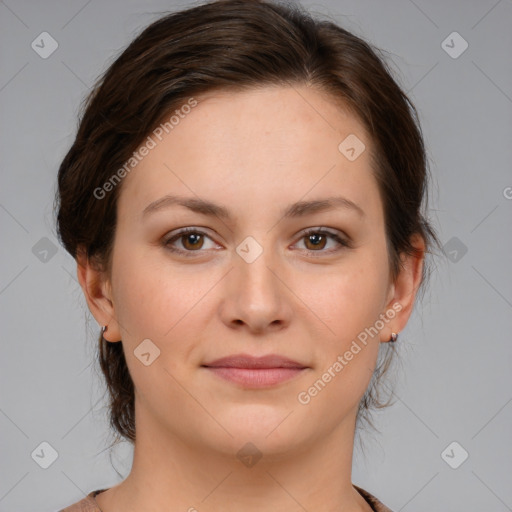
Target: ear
[402,294]
[97,289]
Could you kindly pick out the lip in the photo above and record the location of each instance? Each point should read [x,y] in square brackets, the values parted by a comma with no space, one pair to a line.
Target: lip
[251,362]
[255,372]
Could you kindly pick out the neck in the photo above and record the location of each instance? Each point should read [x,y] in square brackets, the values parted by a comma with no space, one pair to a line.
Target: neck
[173,472]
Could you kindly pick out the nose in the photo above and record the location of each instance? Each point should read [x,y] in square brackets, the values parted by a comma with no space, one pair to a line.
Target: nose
[255,298]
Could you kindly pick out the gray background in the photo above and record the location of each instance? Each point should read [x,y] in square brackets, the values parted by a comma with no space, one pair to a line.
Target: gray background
[455,381]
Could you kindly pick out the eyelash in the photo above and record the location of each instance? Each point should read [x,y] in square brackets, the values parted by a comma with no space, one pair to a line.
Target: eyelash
[345,244]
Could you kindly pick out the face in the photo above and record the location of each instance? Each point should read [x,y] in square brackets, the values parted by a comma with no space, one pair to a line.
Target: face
[256,274]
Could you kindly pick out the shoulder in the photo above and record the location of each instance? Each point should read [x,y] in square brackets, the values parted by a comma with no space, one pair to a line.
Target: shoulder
[87,504]
[374,502]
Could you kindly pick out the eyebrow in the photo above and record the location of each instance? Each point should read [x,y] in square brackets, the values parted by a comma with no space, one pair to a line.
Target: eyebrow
[209,208]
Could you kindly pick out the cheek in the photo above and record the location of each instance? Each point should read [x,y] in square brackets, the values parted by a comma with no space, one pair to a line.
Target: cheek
[145,300]
[349,303]
[156,300]
[349,299]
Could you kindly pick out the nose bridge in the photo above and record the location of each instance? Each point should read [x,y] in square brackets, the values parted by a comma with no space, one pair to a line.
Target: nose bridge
[255,296]
[253,263]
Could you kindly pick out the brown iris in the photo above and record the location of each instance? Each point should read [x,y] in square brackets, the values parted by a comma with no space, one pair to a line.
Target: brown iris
[194,238]
[317,239]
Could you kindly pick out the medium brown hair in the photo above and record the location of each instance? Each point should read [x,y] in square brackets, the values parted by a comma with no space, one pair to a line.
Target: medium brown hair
[236,45]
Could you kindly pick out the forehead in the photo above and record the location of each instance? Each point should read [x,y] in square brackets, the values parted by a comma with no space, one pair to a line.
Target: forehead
[255,147]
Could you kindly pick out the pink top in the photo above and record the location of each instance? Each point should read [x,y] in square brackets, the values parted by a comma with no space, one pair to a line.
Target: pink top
[88,504]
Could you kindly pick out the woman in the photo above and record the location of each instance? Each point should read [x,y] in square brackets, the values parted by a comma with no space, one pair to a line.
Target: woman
[244,202]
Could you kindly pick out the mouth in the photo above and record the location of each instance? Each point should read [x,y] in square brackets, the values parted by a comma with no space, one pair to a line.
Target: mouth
[255,372]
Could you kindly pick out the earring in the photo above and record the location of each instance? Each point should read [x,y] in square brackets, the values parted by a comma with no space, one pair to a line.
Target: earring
[394,337]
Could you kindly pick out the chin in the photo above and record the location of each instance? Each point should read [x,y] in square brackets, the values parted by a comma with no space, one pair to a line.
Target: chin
[271,429]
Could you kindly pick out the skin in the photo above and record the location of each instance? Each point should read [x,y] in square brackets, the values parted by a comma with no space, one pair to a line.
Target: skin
[254,152]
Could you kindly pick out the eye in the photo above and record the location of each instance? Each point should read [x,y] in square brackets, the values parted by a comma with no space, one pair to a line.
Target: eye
[191,240]
[316,240]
